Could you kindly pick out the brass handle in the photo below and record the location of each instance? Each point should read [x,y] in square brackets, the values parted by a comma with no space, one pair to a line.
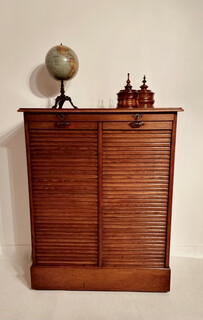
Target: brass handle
[137,116]
[136,124]
[62,124]
[61,116]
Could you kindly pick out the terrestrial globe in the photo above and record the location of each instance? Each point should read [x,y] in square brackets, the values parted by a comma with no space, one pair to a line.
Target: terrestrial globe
[62,62]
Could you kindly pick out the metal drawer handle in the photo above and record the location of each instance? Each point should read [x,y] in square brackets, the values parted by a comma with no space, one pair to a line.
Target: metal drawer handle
[61,116]
[136,124]
[137,116]
[62,124]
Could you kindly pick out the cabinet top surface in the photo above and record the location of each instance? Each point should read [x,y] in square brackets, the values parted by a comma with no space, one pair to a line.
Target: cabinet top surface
[95,110]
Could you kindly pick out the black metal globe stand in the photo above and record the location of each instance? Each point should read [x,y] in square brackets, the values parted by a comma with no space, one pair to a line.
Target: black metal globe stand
[62,98]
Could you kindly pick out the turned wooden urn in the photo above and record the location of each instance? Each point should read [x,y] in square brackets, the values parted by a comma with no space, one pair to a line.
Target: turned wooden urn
[145,96]
[128,97]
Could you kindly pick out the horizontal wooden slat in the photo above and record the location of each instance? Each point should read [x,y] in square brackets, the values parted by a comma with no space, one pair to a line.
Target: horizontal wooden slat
[134,151]
[102,117]
[70,238]
[135,202]
[135,170]
[63,171]
[133,157]
[55,133]
[153,125]
[70,126]
[153,134]
[135,182]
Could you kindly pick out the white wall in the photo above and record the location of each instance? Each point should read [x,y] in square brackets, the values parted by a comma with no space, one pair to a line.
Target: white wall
[162,39]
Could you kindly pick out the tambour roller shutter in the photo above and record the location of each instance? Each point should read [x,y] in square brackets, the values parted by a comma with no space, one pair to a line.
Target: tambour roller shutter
[135,196]
[64,186]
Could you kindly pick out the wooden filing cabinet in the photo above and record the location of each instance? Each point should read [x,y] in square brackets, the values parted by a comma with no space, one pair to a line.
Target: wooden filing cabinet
[100,187]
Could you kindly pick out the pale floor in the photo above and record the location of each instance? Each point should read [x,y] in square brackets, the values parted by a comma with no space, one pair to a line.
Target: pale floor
[19,302]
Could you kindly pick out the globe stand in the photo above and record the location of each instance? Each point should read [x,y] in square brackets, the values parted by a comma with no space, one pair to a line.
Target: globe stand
[62,98]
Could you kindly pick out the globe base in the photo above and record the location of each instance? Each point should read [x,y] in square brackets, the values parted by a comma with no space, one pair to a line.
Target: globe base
[59,101]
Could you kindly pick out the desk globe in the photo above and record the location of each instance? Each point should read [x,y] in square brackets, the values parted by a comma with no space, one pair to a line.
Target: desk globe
[62,64]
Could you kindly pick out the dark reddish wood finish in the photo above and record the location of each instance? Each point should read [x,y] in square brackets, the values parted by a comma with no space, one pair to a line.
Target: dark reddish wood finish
[108,279]
[100,197]
[127,98]
[145,96]
[100,177]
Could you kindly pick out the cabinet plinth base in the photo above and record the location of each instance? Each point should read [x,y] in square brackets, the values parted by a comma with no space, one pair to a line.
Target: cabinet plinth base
[104,279]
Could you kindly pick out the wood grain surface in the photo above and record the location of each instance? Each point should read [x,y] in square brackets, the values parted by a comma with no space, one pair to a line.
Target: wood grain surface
[64,185]
[135,196]
[106,279]
[100,198]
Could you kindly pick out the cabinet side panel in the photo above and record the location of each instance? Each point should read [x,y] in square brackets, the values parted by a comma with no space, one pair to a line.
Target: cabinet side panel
[100,175]
[135,197]
[65,196]
[29,172]
[170,197]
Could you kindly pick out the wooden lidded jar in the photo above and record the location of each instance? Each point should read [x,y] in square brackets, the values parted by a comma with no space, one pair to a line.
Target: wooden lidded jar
[127,98]
[146,97]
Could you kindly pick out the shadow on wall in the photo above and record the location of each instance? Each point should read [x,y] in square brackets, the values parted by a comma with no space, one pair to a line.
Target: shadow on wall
[15,216]
[43,86]
[14,207]
[14,198]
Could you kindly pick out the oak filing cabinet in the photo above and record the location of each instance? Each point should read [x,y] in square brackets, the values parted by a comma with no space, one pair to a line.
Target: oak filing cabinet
[100,188]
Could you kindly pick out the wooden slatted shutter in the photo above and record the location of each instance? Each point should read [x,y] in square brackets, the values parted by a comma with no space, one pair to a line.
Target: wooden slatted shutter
[135,196]
[64,186]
